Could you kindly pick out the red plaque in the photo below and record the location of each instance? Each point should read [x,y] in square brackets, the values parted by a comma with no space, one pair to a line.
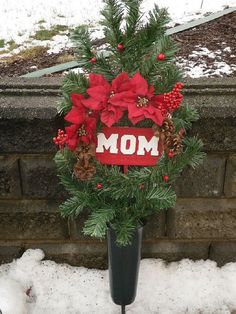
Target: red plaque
[128,146]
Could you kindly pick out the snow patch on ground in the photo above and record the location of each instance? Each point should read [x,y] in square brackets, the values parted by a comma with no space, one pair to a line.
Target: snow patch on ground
[175,288]
[196,66]
[21,19]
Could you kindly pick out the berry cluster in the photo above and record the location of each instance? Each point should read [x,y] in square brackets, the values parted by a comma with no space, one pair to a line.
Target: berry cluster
[173,99]
[61,138]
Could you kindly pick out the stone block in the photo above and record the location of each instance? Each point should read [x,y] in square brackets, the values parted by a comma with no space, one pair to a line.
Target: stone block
[31,220]
[39,178]
[223,252]
[175,250]
[205,181]
[230,177]
[9,178]
[91,254]
[217,124]
[9,252]
[153,229]
[28,120]
[202,219]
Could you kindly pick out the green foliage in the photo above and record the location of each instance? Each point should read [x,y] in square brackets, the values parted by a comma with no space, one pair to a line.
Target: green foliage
[184,117]
[72,83]
[125,201]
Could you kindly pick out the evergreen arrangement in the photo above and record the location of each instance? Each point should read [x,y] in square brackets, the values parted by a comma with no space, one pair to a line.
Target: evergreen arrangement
[133,83]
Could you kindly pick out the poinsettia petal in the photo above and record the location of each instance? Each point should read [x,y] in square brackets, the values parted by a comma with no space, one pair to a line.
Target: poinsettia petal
[140,85]
[121,83]
[155,116]
[76,99]
[97,80]
[135,111]
[108,117]
[99,92]
[150,93]
[122,99]
[91,124]
[71,130]
[159,99]
[135,120]
[76,115]
[92,103]
[85,139]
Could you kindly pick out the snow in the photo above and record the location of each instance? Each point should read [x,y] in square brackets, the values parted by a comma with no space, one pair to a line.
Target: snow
[196,66]
[174,288]
[20,20]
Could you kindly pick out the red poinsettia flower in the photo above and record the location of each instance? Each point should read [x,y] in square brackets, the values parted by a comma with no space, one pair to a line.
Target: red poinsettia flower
[107,98]
[142,101]
[78,113]
[84,123]
[84,132]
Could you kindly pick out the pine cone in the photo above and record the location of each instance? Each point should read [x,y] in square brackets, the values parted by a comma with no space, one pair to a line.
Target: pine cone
[173,143]
[165,130]
[85,151]
[84,172]
[168,126]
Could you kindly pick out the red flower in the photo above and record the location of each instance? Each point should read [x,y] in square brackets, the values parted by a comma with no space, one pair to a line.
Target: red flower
[78,113]
[84,123]
[142,101]
[84,132]
[107,98]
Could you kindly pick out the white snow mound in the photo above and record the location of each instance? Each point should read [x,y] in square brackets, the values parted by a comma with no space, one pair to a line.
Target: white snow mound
[174,288]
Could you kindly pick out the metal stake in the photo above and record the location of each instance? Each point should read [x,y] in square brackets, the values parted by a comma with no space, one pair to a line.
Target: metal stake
[122,309]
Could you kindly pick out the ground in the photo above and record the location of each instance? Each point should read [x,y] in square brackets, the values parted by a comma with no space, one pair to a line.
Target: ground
[207,50]
[30,285]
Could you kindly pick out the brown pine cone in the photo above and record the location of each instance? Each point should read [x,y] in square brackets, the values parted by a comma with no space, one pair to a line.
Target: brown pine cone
[168,126]
[85,151]
[165,130]
[84,172]
[173,143]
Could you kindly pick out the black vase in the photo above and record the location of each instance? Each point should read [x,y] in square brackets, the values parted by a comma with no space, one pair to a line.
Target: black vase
[123,264]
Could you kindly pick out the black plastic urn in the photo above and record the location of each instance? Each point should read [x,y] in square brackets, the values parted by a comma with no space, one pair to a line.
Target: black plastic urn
[123,264]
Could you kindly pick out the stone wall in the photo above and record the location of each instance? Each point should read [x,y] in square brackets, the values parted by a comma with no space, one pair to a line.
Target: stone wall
[201,226]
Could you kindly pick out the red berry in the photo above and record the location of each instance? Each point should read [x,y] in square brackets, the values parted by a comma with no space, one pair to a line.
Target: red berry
[99,186]
[171,154]
[120,47]
[142,186]
[93,60]
[161,57]
[166,178]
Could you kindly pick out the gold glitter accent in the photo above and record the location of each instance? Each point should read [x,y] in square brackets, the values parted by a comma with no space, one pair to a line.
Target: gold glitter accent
[81,131]
[142,102]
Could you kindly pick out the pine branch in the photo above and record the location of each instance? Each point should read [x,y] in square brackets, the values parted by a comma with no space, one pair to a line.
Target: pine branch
[124,231]
[184,117]
[165,78]
[105,67]
[113,14]
[71,184]
[72,83]
[64,160]
[132,18]
[83,42]
[163,197]
[96,225]
[74,205]
[75,83]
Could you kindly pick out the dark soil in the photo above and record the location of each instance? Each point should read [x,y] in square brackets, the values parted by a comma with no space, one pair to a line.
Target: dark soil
[214,35]
[217,34]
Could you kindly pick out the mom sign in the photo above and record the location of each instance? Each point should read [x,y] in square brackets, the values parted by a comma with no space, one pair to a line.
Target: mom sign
[128,146]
